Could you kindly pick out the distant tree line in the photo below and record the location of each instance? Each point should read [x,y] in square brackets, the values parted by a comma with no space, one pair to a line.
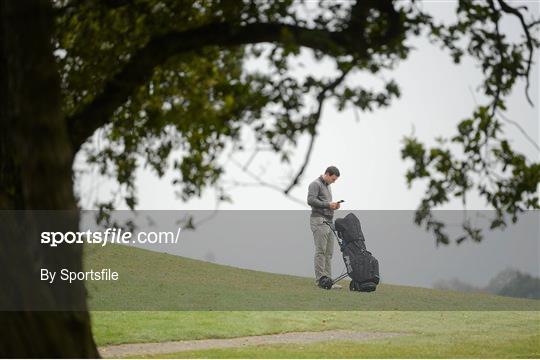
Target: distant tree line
[509,282]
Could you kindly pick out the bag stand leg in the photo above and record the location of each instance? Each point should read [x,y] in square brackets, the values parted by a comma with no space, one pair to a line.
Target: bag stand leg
[342,276]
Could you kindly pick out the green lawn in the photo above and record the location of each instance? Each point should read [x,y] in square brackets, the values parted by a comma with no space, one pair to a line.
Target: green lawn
[430,334]
[410,347]
[433,323]
[157,281]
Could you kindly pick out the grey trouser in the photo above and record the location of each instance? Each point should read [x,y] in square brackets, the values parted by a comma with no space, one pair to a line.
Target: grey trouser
[324,247]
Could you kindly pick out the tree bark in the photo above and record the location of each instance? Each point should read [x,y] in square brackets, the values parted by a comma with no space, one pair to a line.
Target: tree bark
[35,174]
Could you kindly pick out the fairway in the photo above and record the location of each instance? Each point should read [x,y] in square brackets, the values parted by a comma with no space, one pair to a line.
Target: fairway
[428,323]
[157,281]
[424,333]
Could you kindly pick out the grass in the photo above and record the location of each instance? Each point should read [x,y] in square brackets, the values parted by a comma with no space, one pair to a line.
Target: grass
[433,334]
[435,323]
[157,281]
[407,347]
[396,348]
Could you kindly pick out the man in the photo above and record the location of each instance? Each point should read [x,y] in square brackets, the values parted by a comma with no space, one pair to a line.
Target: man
[322,210]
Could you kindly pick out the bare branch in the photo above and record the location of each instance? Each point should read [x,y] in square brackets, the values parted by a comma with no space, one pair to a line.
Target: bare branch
[251,158]
[515,11]
[296,179]
[516,124]
[261,182]
[314,120]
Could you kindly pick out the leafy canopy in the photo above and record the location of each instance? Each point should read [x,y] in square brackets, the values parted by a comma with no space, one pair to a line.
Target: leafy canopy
[156,77]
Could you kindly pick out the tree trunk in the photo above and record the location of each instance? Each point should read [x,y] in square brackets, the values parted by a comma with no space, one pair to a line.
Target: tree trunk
[35,174]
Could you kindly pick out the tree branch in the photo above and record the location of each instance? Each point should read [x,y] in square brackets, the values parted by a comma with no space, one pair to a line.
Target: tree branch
[158,50]
[523,132]
[515,11]
[138,70]
[500,49]
[261,182]
[315,117]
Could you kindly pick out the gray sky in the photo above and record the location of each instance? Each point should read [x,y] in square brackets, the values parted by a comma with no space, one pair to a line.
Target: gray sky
[436,95]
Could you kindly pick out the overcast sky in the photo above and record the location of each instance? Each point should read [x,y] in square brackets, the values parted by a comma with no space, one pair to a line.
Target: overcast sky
[436,95]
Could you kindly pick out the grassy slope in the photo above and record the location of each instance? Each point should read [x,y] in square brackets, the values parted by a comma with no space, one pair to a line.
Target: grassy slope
[432,333]
[156,281]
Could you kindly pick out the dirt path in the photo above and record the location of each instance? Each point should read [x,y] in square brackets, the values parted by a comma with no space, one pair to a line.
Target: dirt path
[285,338]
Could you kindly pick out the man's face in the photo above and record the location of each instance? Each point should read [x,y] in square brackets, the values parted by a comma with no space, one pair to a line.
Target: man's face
[330,179]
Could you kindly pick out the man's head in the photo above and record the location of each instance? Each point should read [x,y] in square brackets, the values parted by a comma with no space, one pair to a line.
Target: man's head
[331,175]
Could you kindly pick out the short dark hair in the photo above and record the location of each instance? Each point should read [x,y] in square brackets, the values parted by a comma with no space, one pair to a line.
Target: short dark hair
[332,170]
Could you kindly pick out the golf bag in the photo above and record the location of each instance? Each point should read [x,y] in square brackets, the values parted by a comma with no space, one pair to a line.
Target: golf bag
[362,267]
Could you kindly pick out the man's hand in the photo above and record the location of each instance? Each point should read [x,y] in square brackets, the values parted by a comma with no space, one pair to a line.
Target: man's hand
[335,205]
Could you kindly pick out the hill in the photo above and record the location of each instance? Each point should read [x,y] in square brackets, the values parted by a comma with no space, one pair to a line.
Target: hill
[157,281]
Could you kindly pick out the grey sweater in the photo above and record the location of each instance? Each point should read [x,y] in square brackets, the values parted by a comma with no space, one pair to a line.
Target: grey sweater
[319,198]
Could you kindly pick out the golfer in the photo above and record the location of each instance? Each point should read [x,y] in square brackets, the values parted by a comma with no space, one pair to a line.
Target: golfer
[322,209]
